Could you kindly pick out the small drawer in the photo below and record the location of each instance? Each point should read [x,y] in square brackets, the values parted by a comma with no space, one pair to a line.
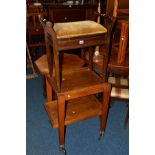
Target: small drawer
[81,42]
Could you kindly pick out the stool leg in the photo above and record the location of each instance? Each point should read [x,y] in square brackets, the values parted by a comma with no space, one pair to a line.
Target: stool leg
[48,90]
[61,121]
[91,53]
[103,118]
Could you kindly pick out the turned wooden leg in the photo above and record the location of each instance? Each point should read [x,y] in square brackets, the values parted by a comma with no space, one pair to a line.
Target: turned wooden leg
[91,53]
[61,121]
[48,90]
[103,118]
[83,54]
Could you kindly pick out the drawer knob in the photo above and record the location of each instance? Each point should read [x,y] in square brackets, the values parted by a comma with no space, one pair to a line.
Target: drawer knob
[65,18]
[81,42]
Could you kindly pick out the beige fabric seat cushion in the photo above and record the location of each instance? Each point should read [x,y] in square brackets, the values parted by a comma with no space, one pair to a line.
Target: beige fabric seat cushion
[117,92]
[79,28]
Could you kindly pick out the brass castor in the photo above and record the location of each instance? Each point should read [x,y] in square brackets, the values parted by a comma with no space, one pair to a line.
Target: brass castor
[101,135]
[62,149]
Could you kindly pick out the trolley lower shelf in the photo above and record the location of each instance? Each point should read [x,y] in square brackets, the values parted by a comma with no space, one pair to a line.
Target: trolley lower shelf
[76,110]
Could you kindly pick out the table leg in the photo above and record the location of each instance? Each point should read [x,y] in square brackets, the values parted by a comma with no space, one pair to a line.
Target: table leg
[61,121]
[105,103]
[48,90]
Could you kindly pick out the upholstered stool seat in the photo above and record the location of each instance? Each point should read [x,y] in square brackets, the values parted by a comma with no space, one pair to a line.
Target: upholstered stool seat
[119,92]
[69,30]
[77,29]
